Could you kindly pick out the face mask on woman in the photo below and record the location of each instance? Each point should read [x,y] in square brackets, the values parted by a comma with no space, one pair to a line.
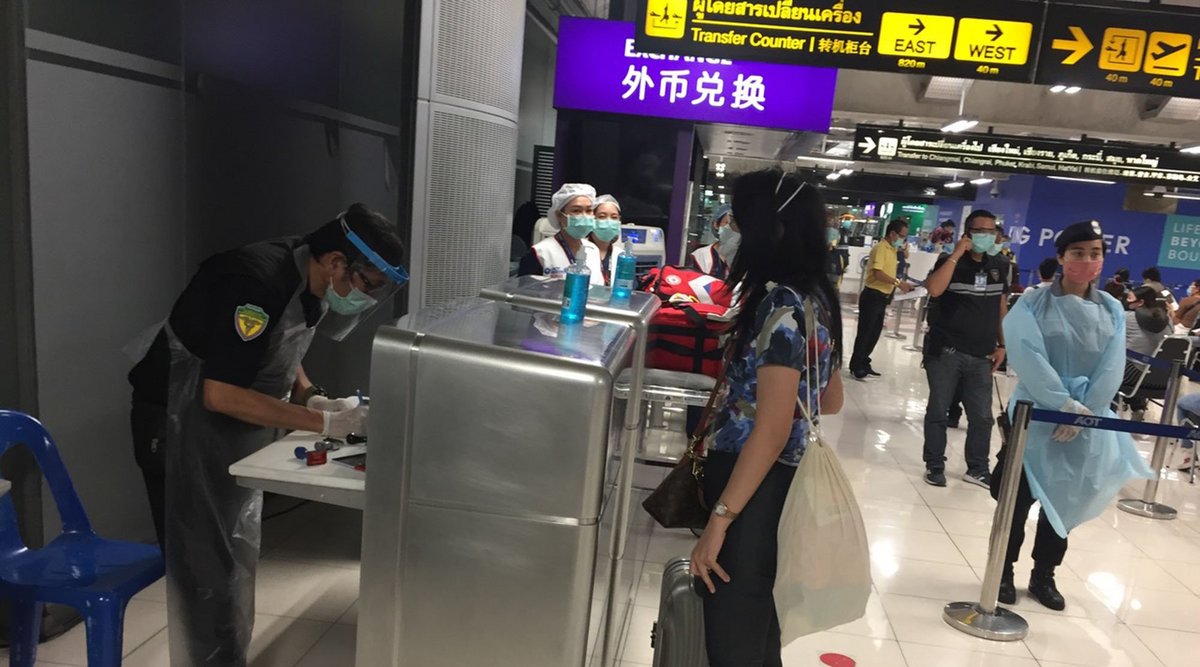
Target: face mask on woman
[607,230]
[1083,271]
[730,239]
[579,226]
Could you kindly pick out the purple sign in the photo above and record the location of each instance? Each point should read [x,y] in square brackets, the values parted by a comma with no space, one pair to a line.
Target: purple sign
[599,70]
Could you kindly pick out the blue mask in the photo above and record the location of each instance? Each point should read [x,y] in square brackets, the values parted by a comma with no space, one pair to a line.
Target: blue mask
[579,226]
[847,224]
[352,304]
[899,243]
[981,243]
[607,230]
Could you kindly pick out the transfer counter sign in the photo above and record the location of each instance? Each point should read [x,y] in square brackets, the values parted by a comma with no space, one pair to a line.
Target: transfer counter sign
[966,38]
[1127,50]
[1181,243]
[1025,155]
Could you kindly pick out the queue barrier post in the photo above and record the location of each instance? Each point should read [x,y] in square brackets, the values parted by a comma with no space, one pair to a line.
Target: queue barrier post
[1147,505]
[898,317]
[984,619]
[918,342]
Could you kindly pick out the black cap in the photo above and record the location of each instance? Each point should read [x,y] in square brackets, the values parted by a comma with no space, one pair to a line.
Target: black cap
[1088,230]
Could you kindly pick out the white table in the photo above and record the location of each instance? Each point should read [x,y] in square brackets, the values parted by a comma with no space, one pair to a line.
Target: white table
[5,485]
[276,469]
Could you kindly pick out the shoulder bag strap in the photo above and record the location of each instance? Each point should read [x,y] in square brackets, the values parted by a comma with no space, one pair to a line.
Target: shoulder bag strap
[696,448]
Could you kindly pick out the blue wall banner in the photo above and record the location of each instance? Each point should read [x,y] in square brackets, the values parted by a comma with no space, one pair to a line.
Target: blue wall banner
[1181,243]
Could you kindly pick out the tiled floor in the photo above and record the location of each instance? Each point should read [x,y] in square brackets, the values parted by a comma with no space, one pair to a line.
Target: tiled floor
[1132,585]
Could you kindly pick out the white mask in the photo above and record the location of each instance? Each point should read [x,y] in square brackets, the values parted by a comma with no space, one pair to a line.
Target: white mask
[730,240]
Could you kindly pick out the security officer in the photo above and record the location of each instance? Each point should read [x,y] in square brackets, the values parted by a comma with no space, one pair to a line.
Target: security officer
[212,389]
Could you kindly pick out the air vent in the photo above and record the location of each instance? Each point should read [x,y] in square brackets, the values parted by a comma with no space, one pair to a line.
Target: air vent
[1172,110]
[543,177]
[944,89]
[473,38]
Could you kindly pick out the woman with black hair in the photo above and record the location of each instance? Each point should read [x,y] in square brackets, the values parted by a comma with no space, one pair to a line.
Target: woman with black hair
[757,436]
[1147,323]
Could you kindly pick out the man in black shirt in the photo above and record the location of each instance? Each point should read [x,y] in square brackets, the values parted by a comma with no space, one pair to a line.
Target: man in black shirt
[965,345]
[211,390]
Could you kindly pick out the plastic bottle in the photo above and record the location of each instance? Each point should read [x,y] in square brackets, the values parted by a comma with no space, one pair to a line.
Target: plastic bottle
[575,291]
[625,276]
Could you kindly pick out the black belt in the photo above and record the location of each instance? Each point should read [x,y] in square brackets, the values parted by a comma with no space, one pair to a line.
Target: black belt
[952,350]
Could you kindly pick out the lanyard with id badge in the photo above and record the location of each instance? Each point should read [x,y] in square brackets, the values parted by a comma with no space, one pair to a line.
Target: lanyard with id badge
[981,281]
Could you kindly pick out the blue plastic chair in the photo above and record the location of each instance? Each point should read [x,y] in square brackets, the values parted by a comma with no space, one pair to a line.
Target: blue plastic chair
[94,575]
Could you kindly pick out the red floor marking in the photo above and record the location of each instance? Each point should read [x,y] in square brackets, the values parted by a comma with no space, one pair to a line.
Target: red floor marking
[837,660]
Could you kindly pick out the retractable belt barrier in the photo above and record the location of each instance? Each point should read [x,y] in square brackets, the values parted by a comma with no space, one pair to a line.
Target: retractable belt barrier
[985,619]
[1194,376]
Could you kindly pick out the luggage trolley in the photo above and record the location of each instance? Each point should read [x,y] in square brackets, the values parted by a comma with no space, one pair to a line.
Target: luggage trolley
[664,439]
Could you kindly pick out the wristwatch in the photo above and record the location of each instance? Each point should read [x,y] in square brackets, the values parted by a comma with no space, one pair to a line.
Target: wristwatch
[314,390]
[722,510]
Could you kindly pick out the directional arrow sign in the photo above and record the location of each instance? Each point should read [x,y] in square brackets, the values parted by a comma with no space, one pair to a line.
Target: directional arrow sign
[867,145]
[1079,45]
[918,27]
[995,32]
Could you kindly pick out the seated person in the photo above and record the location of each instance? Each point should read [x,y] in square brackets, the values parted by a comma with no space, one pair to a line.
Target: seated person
[1188,411]
[571,213]
[1146,325]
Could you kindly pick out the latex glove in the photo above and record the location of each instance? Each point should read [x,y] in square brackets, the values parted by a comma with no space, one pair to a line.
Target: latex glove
[1066,432]
[342,423]
[325,404]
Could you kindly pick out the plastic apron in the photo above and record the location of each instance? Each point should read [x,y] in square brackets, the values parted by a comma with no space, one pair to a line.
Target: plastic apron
[213,526]
[1063,347]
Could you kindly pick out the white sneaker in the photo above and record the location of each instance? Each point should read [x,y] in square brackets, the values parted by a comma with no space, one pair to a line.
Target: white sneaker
[1186,464]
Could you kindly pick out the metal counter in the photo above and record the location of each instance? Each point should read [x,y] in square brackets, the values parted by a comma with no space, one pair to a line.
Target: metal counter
[625,541]
[492,432]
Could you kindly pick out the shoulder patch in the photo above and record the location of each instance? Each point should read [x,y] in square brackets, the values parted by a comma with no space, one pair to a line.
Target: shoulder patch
[250,321]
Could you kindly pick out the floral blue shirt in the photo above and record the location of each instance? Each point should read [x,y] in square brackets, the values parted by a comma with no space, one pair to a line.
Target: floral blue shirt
[779,339]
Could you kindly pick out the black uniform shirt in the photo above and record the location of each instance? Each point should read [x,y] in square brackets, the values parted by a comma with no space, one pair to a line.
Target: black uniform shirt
[226,316]
[966,316]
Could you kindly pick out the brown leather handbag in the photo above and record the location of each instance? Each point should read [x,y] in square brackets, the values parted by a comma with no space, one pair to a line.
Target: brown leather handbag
[678,502]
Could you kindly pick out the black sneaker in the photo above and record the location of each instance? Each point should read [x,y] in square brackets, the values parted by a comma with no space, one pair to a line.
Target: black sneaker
[953,424]
[1008,590]
[979,478]
[935,478]
[874,373]
[860,375]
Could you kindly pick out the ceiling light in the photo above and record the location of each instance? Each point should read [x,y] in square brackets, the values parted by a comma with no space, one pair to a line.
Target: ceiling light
[1156,191]
[1176,195]
[982,180]
[961,124]
[833,176]
[1071,90]
[846,172]
[954,185]
[1058,89]
[828,160]
[929,192]
[1193,149]
[1082,180]
[844,198]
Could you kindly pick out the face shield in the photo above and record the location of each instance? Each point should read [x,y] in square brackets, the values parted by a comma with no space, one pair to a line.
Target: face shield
[374,282]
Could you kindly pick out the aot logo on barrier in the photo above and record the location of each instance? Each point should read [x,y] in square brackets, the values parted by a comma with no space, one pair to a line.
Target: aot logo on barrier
[1090,422]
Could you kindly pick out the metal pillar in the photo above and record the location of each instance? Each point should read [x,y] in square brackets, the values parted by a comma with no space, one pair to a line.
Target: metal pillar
[1147,505]
[918,342]
[984,619]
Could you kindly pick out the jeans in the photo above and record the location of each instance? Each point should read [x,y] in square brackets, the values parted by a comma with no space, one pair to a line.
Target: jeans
[1048,547]
[947,373]
[872,307]
[741,627]
[1188,408]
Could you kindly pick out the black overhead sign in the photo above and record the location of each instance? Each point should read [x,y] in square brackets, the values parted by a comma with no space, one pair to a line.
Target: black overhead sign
[1132,50]
[1024,155]
[982,39]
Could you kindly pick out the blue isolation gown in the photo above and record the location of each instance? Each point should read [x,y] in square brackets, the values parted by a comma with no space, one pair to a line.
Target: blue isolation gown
[1064,347]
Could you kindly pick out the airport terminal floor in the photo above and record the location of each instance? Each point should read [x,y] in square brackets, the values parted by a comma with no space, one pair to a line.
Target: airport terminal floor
[1132,585]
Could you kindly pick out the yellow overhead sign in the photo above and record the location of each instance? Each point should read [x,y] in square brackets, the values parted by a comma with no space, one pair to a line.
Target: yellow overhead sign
[666,18]
[1122,50]
[916,35]
[1168,54]
[994,42]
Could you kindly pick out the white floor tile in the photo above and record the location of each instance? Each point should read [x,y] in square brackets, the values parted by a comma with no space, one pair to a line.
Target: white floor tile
[1170,610]
[937,581]
[1173,648]
[919,621]
[299,590]
[874,624]
[922,655]
[277,642]
[637,639]
[914,544]
[351,615]
[666,546]
[1076,641]
[864,651]
[335,647]
[1131,570]
[963,523]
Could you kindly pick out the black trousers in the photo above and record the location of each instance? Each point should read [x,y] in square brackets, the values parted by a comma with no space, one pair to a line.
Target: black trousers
[741,628]
[149,424]
[1048,547]
[872,307]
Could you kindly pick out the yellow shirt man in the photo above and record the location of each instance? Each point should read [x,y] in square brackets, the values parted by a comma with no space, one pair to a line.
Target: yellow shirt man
[885,258]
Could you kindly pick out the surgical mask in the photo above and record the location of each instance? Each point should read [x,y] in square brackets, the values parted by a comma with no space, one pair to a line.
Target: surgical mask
[898,243]
[579,226]
[352,304]
[607,230]
[730,239]
[847,224]
[981,242]
[993,251]
[1083,271]
[832,235]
